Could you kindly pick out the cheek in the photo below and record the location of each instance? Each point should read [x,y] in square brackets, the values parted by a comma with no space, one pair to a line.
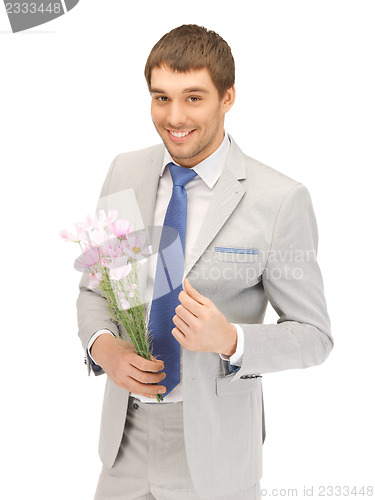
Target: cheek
[156,114]
[204,117]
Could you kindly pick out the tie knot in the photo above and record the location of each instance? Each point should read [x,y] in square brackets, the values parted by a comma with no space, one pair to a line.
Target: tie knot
[181,175]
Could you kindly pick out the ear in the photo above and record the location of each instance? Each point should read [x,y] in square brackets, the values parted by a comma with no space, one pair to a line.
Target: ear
[229,98]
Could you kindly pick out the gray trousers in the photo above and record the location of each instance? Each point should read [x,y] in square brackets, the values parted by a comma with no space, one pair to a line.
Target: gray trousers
[151,463]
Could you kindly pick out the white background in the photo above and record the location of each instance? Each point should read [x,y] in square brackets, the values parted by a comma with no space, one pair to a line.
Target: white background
[73,96]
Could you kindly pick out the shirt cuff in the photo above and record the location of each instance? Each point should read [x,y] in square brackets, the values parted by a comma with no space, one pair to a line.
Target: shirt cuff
[92,340]
[236,358]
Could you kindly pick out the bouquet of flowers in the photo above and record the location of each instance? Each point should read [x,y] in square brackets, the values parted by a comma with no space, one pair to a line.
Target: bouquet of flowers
[112,253]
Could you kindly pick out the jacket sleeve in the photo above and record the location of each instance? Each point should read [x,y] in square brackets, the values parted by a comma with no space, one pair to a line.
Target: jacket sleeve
[293,284]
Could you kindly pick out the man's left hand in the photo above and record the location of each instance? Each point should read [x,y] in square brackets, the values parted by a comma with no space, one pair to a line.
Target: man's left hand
[200,326]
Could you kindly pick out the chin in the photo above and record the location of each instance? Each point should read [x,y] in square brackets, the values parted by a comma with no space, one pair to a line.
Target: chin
[180,154]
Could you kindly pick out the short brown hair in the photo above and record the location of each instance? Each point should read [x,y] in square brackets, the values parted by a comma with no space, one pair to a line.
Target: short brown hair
[190,47]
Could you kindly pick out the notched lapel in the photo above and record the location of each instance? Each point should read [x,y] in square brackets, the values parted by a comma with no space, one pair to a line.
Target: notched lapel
[227,194]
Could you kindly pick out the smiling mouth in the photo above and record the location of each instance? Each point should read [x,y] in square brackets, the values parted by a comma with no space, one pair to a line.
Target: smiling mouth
[179,135]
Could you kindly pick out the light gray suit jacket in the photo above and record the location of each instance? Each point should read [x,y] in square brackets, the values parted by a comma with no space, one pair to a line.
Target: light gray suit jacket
[257,244]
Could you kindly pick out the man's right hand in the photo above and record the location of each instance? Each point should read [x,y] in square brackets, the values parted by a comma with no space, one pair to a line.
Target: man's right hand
[126,368]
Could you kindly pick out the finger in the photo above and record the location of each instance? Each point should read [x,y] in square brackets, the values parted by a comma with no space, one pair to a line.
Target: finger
[181,325]
[145,377]
[139,388]
[179,336]
[144,364]
[183,313]
[193,293]
[190,304]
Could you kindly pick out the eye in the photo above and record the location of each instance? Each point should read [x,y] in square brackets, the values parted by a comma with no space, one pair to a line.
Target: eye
[162,98]
[194,99]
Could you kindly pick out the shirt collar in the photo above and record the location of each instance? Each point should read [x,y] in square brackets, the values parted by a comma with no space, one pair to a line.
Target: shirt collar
[209,170]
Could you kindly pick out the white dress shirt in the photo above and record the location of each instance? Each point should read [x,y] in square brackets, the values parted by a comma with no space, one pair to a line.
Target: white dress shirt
[199,193]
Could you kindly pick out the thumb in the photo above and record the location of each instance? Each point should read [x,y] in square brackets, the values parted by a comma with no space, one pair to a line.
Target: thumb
[194,294]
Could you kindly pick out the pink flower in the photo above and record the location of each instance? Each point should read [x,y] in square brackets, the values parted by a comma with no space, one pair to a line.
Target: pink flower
[125,304]
[88,258]
[78,237]
[130,289]
[107,220]
[102,221]
[98,237]
[95,279]
[68,236]
[112,248]
[119,273]
[120,228]
[81,228]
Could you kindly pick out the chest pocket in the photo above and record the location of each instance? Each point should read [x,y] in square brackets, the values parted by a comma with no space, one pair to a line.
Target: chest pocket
[236,255]
[240,267]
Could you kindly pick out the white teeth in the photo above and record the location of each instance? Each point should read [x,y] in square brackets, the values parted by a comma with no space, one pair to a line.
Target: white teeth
[180,134]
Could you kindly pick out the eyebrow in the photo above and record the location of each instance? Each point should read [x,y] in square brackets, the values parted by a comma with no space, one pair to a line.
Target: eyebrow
[185,91]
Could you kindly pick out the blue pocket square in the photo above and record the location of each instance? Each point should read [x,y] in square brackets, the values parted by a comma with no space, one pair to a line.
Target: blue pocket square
[246,251]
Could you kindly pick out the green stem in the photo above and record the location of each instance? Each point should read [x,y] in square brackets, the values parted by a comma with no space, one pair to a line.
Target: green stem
[133,319]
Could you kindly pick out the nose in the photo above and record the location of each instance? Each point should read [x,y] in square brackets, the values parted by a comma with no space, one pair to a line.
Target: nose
[177,115]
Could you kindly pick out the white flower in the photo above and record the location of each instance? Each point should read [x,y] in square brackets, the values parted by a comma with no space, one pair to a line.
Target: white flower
[135,245]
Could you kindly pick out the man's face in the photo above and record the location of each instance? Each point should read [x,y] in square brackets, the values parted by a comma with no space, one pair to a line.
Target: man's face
[188,114]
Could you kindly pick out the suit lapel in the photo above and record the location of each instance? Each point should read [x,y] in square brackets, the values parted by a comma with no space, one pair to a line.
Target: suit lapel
[227,194]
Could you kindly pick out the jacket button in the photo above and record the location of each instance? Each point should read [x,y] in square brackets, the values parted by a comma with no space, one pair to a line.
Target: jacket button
[135,406]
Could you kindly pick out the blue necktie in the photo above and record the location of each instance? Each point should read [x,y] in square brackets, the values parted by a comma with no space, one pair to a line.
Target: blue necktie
[168,278]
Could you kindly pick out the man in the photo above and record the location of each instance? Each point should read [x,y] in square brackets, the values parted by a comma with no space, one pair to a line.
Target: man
[251,238]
